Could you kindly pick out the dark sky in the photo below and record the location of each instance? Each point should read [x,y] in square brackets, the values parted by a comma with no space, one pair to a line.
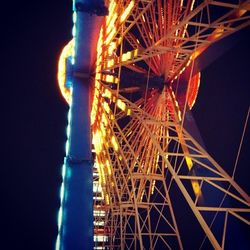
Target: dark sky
[34,120]
[222,105]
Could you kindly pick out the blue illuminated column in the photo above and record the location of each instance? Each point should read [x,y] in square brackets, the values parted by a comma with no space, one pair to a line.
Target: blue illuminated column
[75,218]
[77,226]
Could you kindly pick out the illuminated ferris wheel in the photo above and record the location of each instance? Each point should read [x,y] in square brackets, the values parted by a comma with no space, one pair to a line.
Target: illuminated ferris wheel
[150,162]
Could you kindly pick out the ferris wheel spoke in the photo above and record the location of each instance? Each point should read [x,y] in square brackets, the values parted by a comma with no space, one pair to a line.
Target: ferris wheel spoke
[138,181]
[184,40]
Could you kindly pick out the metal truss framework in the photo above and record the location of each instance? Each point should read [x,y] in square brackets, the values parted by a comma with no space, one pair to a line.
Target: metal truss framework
[144,155]
[141,160]
[173,29]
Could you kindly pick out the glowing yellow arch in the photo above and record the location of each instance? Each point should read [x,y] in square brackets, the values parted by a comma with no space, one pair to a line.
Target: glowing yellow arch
[61,75]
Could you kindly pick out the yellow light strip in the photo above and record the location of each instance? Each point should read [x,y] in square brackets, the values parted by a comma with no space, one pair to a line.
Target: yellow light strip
[61,75]
[195,183]
[153,187]
[106,107]
[129,55]
[121,105]
[114,143]
[111,48]
[108,167]
[110,36]
[111,23]
[189,162]
[112,7]
[127,11]
[107,93]
[196,187]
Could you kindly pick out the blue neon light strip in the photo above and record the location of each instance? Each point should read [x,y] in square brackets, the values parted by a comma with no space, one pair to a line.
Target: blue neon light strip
[62,189]
[67,145]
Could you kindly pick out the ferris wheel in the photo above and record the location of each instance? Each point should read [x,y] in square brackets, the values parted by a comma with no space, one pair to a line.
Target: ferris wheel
[153,178]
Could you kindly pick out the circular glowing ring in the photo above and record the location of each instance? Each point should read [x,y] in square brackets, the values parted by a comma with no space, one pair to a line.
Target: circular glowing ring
[61,75]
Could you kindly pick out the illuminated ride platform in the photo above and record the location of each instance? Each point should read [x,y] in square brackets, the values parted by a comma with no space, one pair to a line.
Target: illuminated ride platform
[134,156]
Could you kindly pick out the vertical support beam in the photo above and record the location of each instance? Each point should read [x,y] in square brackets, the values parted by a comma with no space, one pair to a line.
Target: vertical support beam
[77,230]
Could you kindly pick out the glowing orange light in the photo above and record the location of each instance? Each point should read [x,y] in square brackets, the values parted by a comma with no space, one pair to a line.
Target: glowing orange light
[129,112]
[107,199]
[107,93]
[114,143]
[153,187]
[106,107]
[127,11]
[110,63]
[194,85]
[195,183]
[179,115]
[111,23]
[143,18]
[121,105]
[112,47]
[110,36]
[67,51]
[196,187]
[98,140]
[189,162]
[108,167]
[104,119]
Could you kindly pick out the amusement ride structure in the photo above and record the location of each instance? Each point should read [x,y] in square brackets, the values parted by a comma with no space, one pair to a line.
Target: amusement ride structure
[136,173]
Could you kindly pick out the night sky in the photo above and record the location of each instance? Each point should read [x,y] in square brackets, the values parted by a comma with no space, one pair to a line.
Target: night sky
[34,119]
